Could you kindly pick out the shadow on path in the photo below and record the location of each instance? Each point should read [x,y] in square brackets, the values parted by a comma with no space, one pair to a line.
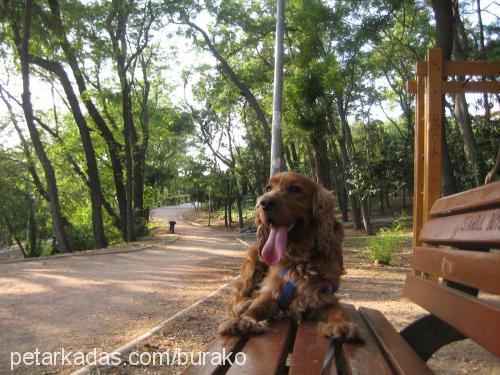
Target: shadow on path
[81,303]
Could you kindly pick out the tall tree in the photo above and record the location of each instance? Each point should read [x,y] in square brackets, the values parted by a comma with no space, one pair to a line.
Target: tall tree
[94,182]
[22,44]
[460,110]
[443,13]
[114,147]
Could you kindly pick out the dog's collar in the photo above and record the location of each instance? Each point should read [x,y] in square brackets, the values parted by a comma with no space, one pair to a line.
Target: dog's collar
[289,288]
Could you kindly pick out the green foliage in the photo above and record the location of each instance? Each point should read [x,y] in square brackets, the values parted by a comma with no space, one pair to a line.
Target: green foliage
[381,247]
[400,222]
[344,61]
[248,210]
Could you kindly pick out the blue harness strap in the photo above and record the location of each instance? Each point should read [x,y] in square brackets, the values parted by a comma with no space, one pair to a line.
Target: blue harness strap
[289,288]
[286,295]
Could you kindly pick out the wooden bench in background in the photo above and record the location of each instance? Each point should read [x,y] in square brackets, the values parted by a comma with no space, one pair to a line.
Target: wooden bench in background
[455,265]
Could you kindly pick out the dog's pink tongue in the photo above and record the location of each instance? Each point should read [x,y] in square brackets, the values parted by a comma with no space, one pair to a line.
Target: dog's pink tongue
[274,249]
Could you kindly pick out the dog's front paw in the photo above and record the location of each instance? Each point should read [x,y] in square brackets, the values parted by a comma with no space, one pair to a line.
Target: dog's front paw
[241,326]
[242,306]
[341,330]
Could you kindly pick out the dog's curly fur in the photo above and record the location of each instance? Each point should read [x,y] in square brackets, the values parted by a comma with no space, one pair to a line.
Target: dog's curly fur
[312,260]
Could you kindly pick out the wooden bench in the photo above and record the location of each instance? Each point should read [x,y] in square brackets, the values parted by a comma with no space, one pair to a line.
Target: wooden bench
[446,282]
[459,282]
[455,266]
[298,349]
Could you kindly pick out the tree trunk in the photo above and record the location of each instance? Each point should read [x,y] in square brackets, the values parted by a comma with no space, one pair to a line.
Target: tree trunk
[94,182]
[366,217]
[463,120]
[133,182]
[114,147]
[356,211]
[347,150]
[448,183]
[141,211]
[339,186]
[32,235]
[461,110]
[319,148]
[482,56]
[128,127]
[238,203]
[443,12]
[55,208]
[339,178]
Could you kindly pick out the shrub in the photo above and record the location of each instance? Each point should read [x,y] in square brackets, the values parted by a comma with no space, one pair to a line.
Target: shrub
[381,247]
[80,237]
[399,222]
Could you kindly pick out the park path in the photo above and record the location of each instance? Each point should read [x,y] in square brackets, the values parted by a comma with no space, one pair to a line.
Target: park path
[11,253]
[103,301]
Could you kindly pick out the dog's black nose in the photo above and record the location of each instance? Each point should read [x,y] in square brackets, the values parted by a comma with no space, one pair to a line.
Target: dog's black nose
[268,203]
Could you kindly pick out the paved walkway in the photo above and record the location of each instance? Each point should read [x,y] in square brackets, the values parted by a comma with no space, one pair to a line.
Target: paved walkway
[103,301]
[11,253]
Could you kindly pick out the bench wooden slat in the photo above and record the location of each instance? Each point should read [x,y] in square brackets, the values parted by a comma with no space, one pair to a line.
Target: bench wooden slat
[475,319]
[266,353]
[227,344]
[309,351]
[478,269]
[481,228]
[462,68]
[401,356]
[483,197]
[363,358]
[455,87]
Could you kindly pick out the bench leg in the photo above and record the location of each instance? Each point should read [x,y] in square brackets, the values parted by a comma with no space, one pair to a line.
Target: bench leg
[428,334]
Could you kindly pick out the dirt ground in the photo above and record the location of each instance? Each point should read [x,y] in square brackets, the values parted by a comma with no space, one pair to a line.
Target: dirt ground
[365,284]
[105,301]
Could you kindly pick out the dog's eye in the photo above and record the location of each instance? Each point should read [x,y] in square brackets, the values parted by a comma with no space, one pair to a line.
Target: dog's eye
[268,188]
[294,189]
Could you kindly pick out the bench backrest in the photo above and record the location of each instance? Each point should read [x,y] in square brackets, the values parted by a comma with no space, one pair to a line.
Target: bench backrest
[456,258]
[460,282]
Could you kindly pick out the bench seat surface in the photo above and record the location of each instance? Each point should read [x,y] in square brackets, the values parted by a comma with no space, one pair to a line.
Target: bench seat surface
[299,349]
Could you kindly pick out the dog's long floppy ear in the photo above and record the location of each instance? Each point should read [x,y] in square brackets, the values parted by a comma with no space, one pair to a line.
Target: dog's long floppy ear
[329,231]
[262,230]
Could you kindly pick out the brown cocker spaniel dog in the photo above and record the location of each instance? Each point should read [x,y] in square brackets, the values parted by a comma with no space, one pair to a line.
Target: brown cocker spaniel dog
[295,267]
